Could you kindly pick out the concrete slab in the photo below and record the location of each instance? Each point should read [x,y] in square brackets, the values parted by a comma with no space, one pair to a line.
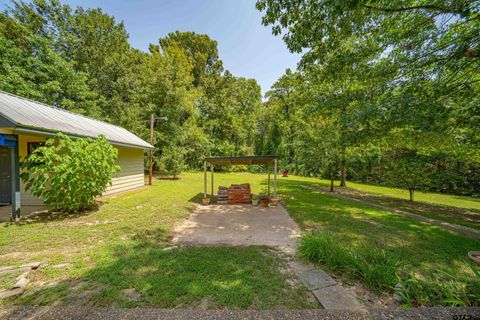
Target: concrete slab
[315,279]
[298,265]
[238,225]
[336,298]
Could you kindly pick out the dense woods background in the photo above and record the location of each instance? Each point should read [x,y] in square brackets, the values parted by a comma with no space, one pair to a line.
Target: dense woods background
[386,92]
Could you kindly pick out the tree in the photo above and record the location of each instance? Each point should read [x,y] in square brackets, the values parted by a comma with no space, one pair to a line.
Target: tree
[172,161]
[201,49]
[409,173]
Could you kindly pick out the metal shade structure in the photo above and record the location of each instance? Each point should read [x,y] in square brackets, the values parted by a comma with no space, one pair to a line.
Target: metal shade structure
[251,160]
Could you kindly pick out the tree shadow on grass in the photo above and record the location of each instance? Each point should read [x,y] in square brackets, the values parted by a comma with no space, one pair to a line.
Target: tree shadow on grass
[146,272]
[196,198]
[46,216]
[423,247]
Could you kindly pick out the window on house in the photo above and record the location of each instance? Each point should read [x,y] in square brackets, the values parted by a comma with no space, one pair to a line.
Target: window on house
[31,146]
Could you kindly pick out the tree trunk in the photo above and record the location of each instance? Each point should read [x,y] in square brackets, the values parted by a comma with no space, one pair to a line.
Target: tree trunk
[343,176]
[411,191]
[331,182]
[343,171]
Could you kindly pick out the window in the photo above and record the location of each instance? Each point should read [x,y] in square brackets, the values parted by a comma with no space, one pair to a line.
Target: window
[31,146]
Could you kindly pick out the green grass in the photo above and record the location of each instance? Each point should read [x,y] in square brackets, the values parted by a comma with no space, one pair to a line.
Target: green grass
[9,279]
[427,197]
[120,256]
[447,208]
[426,251]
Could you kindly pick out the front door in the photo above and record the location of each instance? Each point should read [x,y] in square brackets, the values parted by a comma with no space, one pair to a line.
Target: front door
[5,176]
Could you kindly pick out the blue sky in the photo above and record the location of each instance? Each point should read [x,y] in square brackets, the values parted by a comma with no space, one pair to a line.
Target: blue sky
[247,48]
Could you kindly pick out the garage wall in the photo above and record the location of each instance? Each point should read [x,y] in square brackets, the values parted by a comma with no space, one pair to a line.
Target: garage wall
[131,175]
[26,198]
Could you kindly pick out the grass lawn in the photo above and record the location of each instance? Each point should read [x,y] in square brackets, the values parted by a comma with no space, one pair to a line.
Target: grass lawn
[426,197]
[429,253]
[458,210]
[119,255]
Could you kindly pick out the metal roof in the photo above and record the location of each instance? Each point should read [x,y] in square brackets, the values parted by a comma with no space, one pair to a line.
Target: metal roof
[29,116]
[241,160]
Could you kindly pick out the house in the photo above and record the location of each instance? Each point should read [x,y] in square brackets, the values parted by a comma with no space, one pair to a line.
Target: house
[26,124]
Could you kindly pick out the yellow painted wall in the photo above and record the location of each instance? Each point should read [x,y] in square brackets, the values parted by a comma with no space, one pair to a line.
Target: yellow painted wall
[131,175]
[26,198]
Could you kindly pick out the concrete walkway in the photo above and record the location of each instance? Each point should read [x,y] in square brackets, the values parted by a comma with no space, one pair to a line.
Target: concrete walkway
[80,313]
[469,232]
[246,225]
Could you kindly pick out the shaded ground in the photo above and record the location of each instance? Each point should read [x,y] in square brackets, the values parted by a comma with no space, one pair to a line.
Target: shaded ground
[461,216]
[6,212]
[119,255]
[450,226]
[238,225]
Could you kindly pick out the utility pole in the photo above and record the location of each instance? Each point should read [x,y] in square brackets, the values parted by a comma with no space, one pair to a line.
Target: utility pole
[152,123]
[152,120]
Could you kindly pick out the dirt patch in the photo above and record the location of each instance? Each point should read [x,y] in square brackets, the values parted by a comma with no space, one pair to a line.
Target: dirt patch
[238,225]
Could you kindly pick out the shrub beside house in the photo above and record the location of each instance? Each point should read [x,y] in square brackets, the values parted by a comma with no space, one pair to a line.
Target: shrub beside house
[25,125]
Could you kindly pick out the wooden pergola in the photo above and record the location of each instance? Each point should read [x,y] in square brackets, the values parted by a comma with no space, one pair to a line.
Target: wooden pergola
[253,160]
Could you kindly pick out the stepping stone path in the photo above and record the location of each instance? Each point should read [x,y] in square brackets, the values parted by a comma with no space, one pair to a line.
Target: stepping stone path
[22,280]
[328,292]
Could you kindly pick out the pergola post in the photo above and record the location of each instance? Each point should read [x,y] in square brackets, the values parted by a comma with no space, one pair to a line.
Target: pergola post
[212,179]
[204,179]
[275,178]
[268,186]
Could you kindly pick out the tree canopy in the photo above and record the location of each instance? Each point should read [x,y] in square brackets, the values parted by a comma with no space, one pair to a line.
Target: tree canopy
[383,89]
[389,82]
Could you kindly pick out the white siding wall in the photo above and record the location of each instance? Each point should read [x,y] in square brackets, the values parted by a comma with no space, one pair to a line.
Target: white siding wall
[131,175]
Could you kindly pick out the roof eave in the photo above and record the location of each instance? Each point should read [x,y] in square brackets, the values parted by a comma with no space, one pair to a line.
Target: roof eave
[35,130]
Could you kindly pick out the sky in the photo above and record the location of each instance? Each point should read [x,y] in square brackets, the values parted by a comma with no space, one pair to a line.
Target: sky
[247,48]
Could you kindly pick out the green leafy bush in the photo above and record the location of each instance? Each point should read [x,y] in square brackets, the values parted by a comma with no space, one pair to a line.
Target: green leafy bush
[70,173]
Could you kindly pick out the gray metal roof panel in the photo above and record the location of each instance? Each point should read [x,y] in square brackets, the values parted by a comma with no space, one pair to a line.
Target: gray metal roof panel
[31,114]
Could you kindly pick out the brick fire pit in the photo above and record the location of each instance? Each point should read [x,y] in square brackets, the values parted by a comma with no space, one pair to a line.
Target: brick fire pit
[238,194]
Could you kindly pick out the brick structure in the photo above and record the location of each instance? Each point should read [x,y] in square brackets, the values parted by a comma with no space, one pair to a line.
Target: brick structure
[239,194]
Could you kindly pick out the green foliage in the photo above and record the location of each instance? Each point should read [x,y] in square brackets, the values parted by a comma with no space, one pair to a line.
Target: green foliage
[70,173]
[172,161]
[433,255]
[376,268]
[378,76]
[409,173]
[80,60]
[441,290]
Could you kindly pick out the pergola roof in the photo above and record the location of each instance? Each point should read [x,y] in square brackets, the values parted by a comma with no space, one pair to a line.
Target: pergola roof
[241,160]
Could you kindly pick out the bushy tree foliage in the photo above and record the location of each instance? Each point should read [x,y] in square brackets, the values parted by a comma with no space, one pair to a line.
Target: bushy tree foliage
[70,173]
[80,60]
[387,80]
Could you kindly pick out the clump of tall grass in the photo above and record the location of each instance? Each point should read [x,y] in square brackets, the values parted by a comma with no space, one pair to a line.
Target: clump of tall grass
[380,271]
[376,268]
[440,289]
